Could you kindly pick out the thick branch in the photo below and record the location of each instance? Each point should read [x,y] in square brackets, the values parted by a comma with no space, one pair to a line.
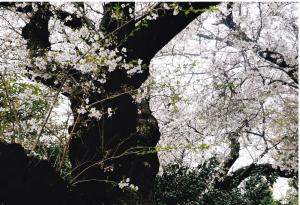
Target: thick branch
[33,181]
[36,31]
[234,147]
[146,41]
[235,178]
[122,24]
[234,151]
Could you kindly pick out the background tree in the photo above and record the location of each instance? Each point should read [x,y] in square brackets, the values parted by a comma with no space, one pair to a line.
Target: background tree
[232,85]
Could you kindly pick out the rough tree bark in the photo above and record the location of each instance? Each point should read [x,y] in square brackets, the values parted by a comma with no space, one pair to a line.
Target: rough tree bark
[96,145]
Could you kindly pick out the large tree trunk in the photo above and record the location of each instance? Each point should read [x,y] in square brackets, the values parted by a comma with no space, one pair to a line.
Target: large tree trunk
[125,141]
[110,149]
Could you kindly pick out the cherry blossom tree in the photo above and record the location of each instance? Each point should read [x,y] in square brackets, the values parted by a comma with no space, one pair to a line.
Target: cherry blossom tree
[97,56]
[232,84]
[223,89]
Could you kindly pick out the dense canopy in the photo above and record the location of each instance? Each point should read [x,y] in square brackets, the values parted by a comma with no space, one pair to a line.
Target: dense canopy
[148,103]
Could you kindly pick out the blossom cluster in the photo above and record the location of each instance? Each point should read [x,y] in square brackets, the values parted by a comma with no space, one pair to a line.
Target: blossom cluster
[125,184]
